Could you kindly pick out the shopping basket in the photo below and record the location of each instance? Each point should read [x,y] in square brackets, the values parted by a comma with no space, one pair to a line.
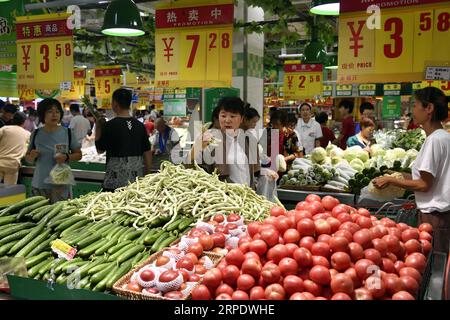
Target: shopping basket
[405,212]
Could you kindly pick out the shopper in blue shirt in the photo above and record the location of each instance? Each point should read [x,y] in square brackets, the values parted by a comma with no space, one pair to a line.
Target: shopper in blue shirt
[48,146]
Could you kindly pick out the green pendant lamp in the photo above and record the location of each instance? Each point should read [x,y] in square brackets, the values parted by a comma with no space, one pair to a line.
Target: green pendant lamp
[332,63]
[122,19]
[315,49]
[325,7]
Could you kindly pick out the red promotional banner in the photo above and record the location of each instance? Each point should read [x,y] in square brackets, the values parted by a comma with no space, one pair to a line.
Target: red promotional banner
[303,67]
[362,5]
[44,29]
[195,16]
[108,72]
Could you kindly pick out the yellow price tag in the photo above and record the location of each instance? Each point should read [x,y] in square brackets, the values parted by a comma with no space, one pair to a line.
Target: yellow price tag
[77,89]
[193,45]
[63,250]
[107,80]
[44,51]
[27,94]
[400,48]
[302,80]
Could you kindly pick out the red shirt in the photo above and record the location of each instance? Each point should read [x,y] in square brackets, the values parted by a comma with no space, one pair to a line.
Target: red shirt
[412,126]
[150,126]
[328,136]
[348,130]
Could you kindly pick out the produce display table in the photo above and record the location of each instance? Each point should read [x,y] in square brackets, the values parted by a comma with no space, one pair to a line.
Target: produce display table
[11,194]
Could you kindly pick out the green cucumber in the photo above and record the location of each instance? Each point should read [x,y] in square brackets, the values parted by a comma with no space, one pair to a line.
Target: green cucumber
[17,227]
[40,212]
[43,246]
[136,259]
[101,275]
[83,271]
[46,267]
[62,215]
[133,235]
[26,240]
[166,242]
[124,256]
[185,224]
[32,261]
[98,268]
[113,231]
[15,236]
[119,234]
[88,241]
[74,265]
[129,231]
[32,244]
[6,247]
[83,283]
[34,209]
[7,220]
[60,267]
[117,274]
[70,221]
[75,226]
[157,243]
[32,272]
[62,279]
[141,238]
[102,229]
[22,204]
[174,225]
[89,250]
[117,247]
[105,247]
[121,250]
[151,238]
[156,223]
[52,213]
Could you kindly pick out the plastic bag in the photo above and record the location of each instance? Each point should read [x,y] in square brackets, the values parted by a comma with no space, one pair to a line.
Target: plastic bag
[61,174]
[266,186]
[371,193]
[281,163]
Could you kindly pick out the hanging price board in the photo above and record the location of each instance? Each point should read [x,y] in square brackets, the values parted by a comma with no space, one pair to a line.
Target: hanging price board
[442,85]
[412,35]
[367,89]
[107,80]
[302,80]
[193,44]
[344,90]
[44,51]
[77,88]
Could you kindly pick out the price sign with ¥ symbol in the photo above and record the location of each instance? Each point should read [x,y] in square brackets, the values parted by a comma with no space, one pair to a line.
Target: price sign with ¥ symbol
[77,88]
[400,48]
[44,51]
[193,45]
[107,80]
[302,80]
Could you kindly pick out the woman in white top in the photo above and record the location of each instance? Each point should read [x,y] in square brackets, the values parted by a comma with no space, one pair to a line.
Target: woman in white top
[431,171]
[308,129]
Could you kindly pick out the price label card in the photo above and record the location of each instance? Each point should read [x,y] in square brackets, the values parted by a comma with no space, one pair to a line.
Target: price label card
[193,44]
[344,90]
[327,91]
[107,80]
[438,73]
[302,80]
[63,250]
[392,89]
[400,48]
[44,51]
[443,85]
[367,89]
[77,87]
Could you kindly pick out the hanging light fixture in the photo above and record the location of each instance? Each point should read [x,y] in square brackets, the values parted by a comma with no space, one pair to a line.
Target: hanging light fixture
[325,7]
[122,19]
[332,63]
[315,50]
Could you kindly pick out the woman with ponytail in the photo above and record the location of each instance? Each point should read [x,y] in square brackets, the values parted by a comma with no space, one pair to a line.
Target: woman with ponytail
[430,178]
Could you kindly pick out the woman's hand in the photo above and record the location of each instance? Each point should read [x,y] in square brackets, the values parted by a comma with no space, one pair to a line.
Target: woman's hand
[34,154]
[382,182]
[61,158]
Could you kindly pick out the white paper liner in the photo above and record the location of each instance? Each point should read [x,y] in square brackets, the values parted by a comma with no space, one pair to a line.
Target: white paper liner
[173,285]
[186,242]
[189,287]
[146,293]
[236,232]
[208,264]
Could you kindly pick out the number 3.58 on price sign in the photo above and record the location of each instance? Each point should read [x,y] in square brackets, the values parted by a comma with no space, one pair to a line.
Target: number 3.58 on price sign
[44,51]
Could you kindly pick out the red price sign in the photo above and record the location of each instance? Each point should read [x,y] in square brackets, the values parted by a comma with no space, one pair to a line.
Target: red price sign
[409,39]
[302,80]
[107,80]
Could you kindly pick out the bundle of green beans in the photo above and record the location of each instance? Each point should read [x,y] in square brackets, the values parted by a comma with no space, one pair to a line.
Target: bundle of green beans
[171,192]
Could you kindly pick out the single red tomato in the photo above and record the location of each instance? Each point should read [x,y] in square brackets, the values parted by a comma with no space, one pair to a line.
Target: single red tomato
[411,272]
[312,287]
[416,261]
[425,236]
[230,275]
[387,265]
[350,226]
[342,283]
[252,267]
[373,255]
[356,251]
[303,257]
[212,278]
[196,249]
[403,295]
[235,257]
[334,224]
[393,243]
[258,246]
[320,261]
[245,282]
[133,286]
[321,249]
[338,244]
[344,233]
[219,239]
[426,227]
[376,286]
[363,237]
[362,294]
[223,296]
[426,246]
[409,284]
[224,288]
[257,293]
[270,236]
[253,228]
[364,268]
[306,227]
[351,272]
[343,217]
[288,266]
[392,283]
[324,238]
[320,274]
[201,292]
[312,197]
[307,242]
[364,212]
[291,236]
[412,246]
[340,261]
[277,253]
[322,227]
[292,284]
[275,292]
[240,295]
[271,273]
[329,202]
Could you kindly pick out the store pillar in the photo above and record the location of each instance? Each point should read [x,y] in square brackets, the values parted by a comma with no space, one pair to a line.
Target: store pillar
[248,58]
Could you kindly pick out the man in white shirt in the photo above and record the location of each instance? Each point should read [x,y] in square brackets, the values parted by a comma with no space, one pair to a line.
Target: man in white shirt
[308,129]
[80,125]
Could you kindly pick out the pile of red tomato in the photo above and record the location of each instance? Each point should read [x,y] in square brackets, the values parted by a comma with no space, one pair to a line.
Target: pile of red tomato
[321,250]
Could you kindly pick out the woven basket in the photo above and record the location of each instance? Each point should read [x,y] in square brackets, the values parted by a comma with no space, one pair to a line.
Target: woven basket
[301,188]
[132,295]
